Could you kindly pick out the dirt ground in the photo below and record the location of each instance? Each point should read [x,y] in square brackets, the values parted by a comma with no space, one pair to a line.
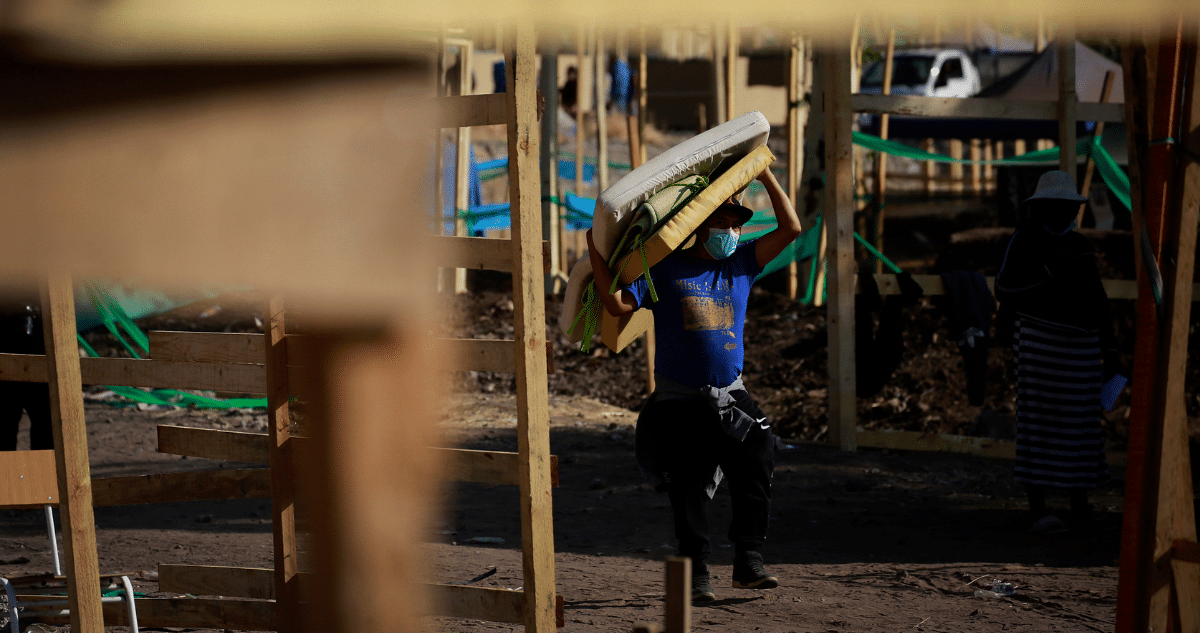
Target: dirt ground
[865,541]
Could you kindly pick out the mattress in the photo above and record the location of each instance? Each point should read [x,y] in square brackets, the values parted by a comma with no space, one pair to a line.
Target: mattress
[710,153]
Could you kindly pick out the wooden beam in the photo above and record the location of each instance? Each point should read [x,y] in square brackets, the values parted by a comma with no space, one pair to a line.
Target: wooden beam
[188,613]
[918,441]
[488,467]
[981,108]
[472,110]
[478,603]
[476,354]
[839,223]
[481,253]
[881,157]
[28,479]
[133,372]
[197,485]
[75,486]
[207,347]
[795,154]
[600,58]
[233,582]
[529,315]
[236,446]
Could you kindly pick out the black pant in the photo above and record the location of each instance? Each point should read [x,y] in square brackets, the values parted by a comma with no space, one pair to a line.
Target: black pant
[691,445]
[31,397]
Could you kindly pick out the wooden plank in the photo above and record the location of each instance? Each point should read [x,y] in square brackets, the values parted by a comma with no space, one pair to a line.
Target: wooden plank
[201,580]
[476,354]
[71,453]
[529,314]
[237,446]
[981,108]
[839,223]
[678,604]
[281,454]
[189,613]
[600,57]
[472,110]
[28,479]
[197,485]
[881,157]
[479,603]
[548,169]
[795,151]
[207,347]
[917,441]
[488,467]
[480,253]
[133,372]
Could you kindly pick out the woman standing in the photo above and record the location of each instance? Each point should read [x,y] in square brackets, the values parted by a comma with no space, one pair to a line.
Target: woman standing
[1050,291]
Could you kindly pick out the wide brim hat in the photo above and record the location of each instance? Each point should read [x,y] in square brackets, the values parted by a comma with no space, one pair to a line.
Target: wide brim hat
[744,214]
[1056,185]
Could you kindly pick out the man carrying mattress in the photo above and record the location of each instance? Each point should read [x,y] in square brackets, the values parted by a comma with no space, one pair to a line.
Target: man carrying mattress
[700,423]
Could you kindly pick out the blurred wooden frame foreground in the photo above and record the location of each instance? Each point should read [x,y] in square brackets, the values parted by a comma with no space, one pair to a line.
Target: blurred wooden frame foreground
[301,179]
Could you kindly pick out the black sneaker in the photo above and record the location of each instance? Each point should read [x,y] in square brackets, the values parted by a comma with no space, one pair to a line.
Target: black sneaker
[748,573]
[702,590]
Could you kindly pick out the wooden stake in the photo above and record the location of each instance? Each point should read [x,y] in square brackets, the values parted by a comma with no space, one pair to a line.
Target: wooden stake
[643,69]
[718,115]
[1085,189]
[581,88]
[601,116]
[529,314]
[1067,99]
[930,166]
[795,149]
[956,168]
[976,168]
[71,454]
[462,166]
[549,170]
[839,220]
[881,158]
[635,160]
[283,480]
[678,603]
[731,63]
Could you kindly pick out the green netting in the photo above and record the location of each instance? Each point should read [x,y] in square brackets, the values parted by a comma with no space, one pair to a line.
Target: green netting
[113,316]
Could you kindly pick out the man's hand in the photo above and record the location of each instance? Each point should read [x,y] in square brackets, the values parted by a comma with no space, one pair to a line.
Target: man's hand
[617,303]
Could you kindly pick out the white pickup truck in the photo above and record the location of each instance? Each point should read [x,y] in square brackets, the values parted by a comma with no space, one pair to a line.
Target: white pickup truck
[943,72]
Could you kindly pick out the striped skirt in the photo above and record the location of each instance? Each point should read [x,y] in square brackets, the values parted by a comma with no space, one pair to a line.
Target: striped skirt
[1060,442]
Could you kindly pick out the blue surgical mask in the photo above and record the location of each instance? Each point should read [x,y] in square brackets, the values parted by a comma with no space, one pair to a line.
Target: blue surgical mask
[721,243]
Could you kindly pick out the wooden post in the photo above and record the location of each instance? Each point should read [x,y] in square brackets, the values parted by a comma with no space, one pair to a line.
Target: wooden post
[529,314]
[839,223]
[678,604]
[795,149]
[989,172]
[601,116]
[881,159]
[1041,33]
[731,63]
[581,93]
[462,166]
[549,170]
[956,168]
[1067,100]
[283,482]
[444,279]
[71,453]
[1154,509]
[1084,190]
[1019,147]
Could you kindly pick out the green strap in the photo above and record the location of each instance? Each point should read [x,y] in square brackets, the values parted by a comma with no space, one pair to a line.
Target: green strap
[646,271]
[590,314]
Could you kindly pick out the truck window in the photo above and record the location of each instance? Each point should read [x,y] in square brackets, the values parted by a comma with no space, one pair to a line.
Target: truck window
[907,70]
[951,69]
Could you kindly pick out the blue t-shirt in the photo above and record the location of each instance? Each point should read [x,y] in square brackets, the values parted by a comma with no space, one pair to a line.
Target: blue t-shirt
[699,316]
